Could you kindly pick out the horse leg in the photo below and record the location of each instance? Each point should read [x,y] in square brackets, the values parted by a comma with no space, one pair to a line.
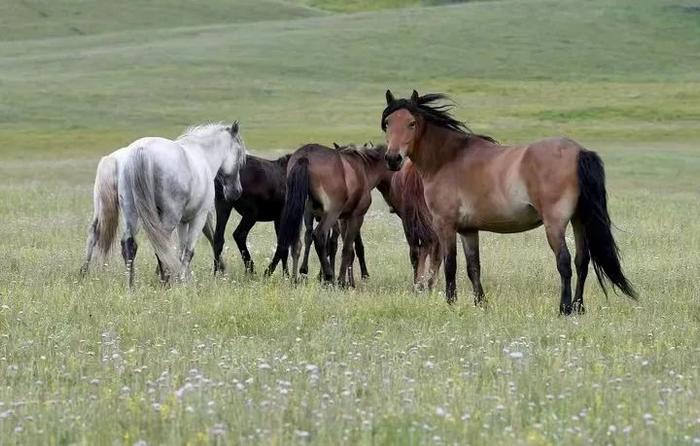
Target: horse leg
[90,246]
[333,246]
[418,268]
[435,262]
[360,251]
[581,260]
[285,257]
[556,230]
[351,227]
[223,212]
[129,248]
[448,243]
[296,251]
[470,245]
[188,241]
[320,239]
[308,238]
[240,235]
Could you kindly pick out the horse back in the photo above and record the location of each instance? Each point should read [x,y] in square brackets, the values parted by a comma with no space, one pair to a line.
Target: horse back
[264,187]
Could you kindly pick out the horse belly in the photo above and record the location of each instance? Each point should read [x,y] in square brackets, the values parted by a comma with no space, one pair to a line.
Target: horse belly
[501,220]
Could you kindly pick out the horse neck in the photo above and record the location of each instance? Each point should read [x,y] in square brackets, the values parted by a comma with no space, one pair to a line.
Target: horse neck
[384,185]
[212,156]
[376,173]
[436,147]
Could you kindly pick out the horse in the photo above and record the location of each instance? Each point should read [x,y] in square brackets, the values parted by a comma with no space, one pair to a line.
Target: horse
[106,215]
[403,192]
[333,236]
[262,199]
[167,184]
[473,184]
[337,185]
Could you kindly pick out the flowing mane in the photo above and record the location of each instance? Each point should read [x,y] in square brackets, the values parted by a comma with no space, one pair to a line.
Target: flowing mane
[425,106]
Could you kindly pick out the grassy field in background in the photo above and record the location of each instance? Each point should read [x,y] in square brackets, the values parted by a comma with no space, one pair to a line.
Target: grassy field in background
[240,360]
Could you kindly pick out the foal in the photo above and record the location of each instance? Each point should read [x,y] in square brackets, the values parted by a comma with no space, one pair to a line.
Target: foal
[263,182]
[472,184]
[338,185]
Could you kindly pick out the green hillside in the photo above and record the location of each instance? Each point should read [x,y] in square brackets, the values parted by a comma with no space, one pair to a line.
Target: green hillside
[37,19]
[603,69]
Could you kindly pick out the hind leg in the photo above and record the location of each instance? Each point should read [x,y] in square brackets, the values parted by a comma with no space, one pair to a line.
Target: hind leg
[320,238]
[129,248]
[360,251]
[308,238]
[470,245]
[556,230]
[351,227]
[581,260]
[333,246]
[90,246]
[188,239]
[296,251]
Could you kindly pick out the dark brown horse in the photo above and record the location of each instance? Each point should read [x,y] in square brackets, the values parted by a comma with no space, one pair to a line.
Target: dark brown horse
[337,185]
[403,192]
[472,184]
[262,199]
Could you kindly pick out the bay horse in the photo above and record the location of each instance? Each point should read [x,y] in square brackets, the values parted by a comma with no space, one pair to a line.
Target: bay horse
[264,185]
[337,184]
[473,184]
[168,184]
[403,192]
[333,236]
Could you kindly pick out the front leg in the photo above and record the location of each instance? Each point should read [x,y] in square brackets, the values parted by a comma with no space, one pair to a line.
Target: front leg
[470,245]
[448,243]
[240,236]
[223,212]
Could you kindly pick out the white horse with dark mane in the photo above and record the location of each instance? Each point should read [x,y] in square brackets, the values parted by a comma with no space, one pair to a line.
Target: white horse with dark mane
[164,184]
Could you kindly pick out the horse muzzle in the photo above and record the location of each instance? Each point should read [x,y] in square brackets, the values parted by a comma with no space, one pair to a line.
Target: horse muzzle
[232,193]
[394,161]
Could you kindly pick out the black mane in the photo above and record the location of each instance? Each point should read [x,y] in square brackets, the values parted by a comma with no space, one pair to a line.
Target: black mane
[438,114]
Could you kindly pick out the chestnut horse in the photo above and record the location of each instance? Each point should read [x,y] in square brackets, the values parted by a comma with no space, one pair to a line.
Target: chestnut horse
[472,184]
[403,192]
[338,185]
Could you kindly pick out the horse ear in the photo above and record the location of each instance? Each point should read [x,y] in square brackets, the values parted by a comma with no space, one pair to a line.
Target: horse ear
[336,146]
[370,145]
[234,128]
[414,97]
[389,97]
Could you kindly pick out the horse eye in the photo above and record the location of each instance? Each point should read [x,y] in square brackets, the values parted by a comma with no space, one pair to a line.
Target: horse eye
[412,125]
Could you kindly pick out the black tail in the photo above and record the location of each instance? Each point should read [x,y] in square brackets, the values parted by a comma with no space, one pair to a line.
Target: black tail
[294,204]
[592,210]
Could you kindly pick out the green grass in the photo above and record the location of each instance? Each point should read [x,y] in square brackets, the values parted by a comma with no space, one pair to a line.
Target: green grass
[240,360]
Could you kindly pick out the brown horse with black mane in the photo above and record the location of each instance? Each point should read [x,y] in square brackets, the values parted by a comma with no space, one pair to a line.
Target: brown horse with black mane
[338,185]
[473,184]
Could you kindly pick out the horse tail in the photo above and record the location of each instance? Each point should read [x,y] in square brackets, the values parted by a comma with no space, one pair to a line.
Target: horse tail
[592,210]
[141,174]
[416,216]
[294,204]
[106,203]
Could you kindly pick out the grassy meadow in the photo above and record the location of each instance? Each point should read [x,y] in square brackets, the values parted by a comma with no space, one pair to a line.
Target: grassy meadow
[244,360]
